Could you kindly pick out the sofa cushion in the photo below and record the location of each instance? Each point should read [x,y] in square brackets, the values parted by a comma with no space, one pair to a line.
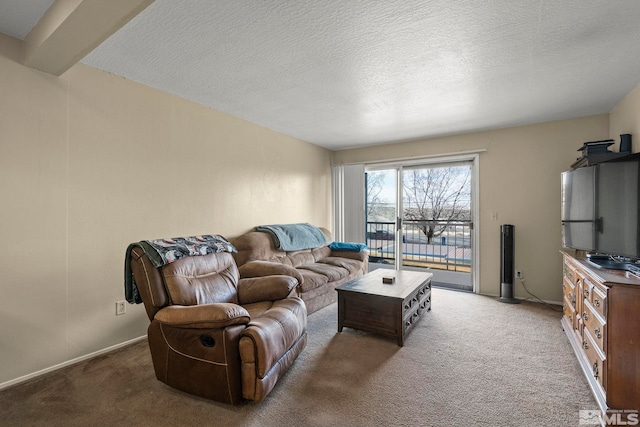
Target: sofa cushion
[320,253]
[350,264]
[332,272]
[268,268]
[202,279]
[299,258]
[311,280]
[256,245]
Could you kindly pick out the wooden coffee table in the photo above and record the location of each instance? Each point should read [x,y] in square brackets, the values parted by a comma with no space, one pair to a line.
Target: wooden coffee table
[391,310]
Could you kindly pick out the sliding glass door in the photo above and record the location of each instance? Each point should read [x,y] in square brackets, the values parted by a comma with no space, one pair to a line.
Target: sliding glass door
[382,215]
[420,216]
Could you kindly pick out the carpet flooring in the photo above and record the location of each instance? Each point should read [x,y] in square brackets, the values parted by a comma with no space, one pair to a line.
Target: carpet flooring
[470,361]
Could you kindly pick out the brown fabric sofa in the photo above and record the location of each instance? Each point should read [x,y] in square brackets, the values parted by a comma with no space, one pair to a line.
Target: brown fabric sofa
[319,270]
[213,334]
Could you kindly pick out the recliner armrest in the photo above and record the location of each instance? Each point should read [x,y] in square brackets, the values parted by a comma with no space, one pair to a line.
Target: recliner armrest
[268,268]
[266,288]
[205,316]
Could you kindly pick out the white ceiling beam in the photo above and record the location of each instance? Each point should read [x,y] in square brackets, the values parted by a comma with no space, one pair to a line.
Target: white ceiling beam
[70,29]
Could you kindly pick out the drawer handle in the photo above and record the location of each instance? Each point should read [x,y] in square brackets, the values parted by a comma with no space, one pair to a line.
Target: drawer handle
[586,293]
[406,306]
[570,318]
[585,345]
[598,333]
[596,302]
[585,316]
[564,287]
[595,369]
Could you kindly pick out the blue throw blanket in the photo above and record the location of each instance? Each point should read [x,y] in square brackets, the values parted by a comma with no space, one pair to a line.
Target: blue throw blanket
[294,237]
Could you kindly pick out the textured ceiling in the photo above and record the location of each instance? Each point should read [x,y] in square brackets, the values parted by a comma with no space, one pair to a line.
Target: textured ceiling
[343,74]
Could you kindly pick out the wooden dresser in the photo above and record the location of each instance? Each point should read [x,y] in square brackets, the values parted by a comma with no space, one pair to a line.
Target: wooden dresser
[602,321]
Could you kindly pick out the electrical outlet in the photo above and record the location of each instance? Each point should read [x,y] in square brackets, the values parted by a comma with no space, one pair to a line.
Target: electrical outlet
[121,308]
[519,274]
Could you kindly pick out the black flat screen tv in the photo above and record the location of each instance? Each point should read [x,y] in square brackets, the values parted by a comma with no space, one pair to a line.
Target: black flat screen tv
[601,210]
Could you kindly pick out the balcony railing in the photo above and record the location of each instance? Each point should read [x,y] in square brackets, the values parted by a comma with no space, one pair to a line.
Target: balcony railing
[448,250]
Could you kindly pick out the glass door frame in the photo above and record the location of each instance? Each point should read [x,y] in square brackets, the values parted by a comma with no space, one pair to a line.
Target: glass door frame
[398,165]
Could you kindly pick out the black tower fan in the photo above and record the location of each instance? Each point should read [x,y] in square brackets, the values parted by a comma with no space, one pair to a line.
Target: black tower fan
[507,264]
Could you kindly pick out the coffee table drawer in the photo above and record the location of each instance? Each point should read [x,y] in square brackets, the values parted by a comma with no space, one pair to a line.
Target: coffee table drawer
[415,306]
[371,313]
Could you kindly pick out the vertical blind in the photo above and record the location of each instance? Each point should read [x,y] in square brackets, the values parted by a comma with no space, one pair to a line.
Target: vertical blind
[349,203]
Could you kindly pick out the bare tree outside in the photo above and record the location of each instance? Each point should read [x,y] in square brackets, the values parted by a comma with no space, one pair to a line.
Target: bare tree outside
[380,206]
[375,182]
[434,198]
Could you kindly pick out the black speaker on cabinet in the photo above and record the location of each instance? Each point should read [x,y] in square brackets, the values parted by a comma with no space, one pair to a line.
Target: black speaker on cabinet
[507,260]
[625,143]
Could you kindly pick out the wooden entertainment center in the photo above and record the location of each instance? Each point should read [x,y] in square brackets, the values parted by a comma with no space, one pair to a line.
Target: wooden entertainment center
[602,321]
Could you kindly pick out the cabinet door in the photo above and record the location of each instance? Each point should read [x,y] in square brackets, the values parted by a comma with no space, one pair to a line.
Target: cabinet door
[569,312]
[579,289]
[599,301]
[595,358]
[595,324]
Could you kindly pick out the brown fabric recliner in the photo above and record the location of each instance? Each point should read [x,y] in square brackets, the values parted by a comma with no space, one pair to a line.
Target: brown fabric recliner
[215,335]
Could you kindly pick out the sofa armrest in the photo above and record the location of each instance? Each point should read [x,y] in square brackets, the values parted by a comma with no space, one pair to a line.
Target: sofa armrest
[266,288]
[205,316]
[267,268]
[360,256]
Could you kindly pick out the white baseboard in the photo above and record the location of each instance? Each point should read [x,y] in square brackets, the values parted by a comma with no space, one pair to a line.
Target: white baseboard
[69,362]
[529,298]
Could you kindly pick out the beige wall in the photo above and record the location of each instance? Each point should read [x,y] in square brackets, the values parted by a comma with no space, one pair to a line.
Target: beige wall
[91,162]
[519,179]
[625,118]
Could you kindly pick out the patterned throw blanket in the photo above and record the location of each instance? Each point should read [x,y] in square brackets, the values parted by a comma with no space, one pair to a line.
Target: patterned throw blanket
[294,237]
[165,251]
